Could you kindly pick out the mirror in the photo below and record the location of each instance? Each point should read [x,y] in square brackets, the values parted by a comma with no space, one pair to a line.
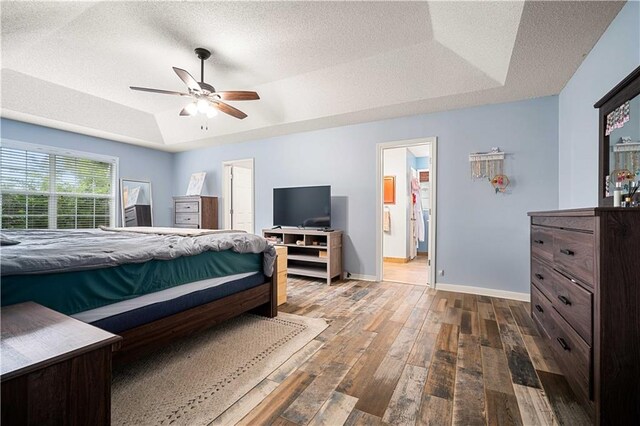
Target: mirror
[135,203]
[624,140]
[620,141]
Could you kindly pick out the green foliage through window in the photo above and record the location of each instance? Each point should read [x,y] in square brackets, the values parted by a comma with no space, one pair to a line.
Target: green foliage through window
[40,190]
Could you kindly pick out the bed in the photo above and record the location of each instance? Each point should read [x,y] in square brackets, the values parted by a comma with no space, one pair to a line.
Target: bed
[149,285]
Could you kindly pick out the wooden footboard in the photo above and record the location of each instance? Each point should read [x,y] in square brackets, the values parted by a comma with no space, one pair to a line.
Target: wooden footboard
[261,300]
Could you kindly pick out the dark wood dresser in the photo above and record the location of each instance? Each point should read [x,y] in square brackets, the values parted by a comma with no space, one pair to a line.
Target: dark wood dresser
[56,370]
[137,215]
[195,211]
[585,298]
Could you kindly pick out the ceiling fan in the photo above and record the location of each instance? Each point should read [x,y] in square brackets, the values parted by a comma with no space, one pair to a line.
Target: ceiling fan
[205,98]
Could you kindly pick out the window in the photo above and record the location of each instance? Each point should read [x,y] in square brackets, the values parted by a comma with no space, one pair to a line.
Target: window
[48,188]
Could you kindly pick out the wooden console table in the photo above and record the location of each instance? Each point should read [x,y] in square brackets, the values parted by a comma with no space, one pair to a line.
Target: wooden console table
[55,369]
[311,253]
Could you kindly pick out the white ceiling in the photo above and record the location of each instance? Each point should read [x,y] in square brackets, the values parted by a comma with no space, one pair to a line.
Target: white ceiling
[315,64]
[420,150]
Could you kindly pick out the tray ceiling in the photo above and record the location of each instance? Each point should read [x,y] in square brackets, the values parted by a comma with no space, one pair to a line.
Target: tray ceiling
[315,64]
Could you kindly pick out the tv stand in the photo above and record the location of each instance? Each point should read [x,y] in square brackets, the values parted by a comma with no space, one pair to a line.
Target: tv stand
[318,255]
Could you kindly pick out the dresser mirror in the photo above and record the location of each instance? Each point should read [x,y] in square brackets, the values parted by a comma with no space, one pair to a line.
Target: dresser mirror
[619,138]
[136,203]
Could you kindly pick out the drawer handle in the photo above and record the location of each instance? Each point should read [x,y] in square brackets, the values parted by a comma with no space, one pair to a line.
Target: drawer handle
[563,343]
[187,207]
[567,252]
[539,308]
[564,300]
[540,277]
[538,241]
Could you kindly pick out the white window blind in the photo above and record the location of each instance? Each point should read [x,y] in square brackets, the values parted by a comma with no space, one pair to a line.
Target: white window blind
[42,187]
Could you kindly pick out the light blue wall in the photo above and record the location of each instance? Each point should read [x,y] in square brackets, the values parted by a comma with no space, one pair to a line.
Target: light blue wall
[483,238]
[135,162]
[616,54]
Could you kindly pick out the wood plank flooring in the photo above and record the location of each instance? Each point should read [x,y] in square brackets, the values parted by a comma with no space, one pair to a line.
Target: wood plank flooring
[415,271]
[400,354]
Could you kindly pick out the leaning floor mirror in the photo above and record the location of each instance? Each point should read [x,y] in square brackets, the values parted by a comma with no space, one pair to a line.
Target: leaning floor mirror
[135,202]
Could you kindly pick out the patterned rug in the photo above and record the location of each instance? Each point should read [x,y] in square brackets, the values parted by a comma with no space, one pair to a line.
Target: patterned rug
[195,379]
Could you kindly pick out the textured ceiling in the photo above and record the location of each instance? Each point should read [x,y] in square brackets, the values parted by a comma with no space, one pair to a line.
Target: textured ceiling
[315,64]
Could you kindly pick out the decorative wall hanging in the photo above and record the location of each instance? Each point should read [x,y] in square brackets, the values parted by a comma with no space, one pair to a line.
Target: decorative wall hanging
[389,188]
[486,165]
[489,166]
[617,118]
[500,183]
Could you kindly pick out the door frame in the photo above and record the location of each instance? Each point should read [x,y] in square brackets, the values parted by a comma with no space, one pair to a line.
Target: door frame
[433,150]
[226,191]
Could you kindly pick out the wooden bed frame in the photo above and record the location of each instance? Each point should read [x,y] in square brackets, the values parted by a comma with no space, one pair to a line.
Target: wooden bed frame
[261,300]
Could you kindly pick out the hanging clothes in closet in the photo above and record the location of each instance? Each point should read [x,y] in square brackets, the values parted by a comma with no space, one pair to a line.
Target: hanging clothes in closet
[419,228]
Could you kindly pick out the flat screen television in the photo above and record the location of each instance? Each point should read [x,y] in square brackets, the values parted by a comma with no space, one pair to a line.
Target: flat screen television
[306,206]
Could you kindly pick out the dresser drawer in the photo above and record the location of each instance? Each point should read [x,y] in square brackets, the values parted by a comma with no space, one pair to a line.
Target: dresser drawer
[542,276]
[567,222]
[574,253]
[575,304]
[130,214]
[542,242]
[572,353]
[187,207]
[187,218]
[282,262]
[540,308]
[282,287]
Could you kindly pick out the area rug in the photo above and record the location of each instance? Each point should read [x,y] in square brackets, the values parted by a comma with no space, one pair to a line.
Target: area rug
[195,379]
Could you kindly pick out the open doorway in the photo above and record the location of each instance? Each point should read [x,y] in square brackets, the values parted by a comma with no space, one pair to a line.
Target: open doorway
[406,240]
[238,195]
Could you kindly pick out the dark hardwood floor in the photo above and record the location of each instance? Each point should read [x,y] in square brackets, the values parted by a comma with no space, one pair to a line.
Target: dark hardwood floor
[402,355]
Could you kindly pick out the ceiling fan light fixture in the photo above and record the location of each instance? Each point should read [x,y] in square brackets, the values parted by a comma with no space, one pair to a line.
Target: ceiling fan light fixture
[211,112]
[203,106]
[206,100]
[192,108]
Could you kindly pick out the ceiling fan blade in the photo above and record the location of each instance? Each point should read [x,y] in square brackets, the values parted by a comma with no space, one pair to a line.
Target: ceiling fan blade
[188,79]
[228,109]
[163,92]
[237,95]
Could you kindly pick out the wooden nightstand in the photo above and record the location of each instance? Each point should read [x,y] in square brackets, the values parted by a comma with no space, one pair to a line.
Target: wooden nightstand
[195,211]
[282,274]
[55,369]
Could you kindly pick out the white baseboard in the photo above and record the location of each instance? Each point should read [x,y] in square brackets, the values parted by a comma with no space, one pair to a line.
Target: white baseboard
[525,297]
[360,277]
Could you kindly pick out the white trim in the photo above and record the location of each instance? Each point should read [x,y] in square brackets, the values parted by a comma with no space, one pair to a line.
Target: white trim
[226,190]
[361,277]
[433,157]
[492,292]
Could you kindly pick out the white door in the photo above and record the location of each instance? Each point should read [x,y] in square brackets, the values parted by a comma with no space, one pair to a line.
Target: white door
[242,199]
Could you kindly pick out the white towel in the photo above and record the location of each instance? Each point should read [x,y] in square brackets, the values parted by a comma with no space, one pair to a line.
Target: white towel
[386,222]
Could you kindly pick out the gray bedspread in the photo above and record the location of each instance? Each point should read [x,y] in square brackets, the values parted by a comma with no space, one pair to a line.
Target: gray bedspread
[49,251]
